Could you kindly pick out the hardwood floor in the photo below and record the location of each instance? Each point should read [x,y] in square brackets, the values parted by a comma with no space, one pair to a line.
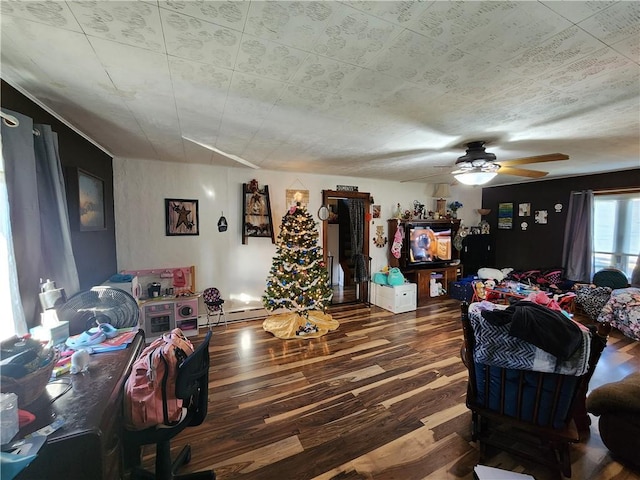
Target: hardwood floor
[380,398]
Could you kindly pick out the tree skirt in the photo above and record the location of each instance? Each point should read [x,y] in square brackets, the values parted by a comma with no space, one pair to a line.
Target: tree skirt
[286,325]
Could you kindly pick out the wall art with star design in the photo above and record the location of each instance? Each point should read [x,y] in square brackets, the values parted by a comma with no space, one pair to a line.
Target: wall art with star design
[182,216]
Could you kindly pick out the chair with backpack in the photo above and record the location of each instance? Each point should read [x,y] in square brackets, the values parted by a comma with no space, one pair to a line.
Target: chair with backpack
[191,388]
[214,304]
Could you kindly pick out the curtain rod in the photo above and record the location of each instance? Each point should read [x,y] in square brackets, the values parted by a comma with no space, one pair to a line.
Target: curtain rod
[9,120]
[12,122]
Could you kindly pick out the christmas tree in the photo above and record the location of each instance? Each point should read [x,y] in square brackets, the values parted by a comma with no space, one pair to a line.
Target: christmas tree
[298,279]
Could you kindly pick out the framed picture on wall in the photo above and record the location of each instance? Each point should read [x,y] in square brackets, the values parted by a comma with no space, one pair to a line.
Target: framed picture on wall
[181,217]
[90,202]
[505,216]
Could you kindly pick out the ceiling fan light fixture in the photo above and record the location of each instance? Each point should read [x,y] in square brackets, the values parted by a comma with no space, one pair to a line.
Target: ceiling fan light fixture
[475,177]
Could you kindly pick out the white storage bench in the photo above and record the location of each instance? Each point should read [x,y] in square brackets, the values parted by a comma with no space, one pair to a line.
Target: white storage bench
[396,299]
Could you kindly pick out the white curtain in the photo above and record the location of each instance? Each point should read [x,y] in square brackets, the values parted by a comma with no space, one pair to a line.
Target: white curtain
[10,306]
[38,212]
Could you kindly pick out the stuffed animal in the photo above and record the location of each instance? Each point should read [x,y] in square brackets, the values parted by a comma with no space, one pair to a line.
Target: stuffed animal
[490,284]
[486,273]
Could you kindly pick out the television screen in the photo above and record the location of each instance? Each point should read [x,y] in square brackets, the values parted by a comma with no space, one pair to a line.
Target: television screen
[427,245]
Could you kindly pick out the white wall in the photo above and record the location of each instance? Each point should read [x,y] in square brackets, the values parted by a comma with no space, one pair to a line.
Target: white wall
[221,260]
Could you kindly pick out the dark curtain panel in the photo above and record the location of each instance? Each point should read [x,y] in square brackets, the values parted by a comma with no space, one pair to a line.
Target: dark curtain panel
[38,210]
[356,217]
[578,237]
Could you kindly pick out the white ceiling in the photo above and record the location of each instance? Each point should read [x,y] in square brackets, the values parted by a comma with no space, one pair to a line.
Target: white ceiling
[388,90]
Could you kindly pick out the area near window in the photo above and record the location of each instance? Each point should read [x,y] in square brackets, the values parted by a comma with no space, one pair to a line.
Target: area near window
[616,231]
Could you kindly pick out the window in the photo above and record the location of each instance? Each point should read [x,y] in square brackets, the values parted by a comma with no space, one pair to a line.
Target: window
[616,231]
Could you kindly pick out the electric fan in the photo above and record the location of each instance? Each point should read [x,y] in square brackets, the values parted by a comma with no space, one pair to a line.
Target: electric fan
[100,304]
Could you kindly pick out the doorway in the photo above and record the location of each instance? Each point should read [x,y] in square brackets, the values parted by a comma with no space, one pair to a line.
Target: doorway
[342,250]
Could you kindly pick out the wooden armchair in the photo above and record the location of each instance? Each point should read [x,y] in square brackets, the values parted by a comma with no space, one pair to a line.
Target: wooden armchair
[528,413]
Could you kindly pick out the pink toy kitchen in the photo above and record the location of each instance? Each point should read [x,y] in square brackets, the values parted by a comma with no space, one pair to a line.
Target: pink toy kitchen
[167,299]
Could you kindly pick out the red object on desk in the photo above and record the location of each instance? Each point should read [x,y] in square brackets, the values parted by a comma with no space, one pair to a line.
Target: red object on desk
[25,418]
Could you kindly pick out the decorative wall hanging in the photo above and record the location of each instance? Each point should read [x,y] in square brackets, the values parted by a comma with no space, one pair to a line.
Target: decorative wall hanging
[376,210]
[558,207]
[222,223]
[380,240]
[505,216]
[541,216]
[524,225]
[91,202]
[524,210]
[181,217]
[256,212]
[297,196]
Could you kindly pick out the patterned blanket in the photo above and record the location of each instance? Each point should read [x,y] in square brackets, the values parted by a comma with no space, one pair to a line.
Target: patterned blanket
[622,311]
[494,346]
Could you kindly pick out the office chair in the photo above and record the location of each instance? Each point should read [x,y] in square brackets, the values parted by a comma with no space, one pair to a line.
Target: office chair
[214,304]
[192,385]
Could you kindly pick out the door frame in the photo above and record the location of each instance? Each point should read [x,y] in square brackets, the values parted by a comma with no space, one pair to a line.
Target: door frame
[366,198]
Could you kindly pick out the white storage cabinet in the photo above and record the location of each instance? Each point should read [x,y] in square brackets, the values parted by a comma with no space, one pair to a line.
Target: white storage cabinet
[396,299]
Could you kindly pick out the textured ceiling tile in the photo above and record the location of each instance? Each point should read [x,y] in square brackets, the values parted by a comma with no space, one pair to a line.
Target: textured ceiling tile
[410,55]
[453,22]
[131,23]
[320,73]
[261,90]
[616,23]
[398,12]
[200,94]
[508,35]
[566,46]
[629,47]
[302,99]
[145,78]
[584,72]
[200,77]
[34,48]
[577,11]
[371,86]
[354,37]
[291,23]
[268,59]
[188,37]
[231,14]
[55,14]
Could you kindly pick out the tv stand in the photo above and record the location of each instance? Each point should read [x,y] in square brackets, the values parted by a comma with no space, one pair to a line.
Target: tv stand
[422,277]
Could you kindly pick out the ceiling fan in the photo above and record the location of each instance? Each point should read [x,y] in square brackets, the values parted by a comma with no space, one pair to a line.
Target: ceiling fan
[478,166]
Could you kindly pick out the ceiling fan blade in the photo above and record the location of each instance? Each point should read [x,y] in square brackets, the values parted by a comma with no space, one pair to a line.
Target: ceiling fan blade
[521,172]
[550,157]
[230,156]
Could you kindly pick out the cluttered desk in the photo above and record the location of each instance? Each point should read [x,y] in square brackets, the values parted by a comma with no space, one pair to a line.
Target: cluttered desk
[81,417]
[62,393]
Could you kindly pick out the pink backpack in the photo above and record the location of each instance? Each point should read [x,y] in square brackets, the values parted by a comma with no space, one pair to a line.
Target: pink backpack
[150,391]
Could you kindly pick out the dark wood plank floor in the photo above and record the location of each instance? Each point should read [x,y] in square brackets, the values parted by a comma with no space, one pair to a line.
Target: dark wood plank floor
[380,398]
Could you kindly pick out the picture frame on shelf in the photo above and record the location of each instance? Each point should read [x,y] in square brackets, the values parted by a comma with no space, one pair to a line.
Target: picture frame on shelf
[181,217]
[91,208]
